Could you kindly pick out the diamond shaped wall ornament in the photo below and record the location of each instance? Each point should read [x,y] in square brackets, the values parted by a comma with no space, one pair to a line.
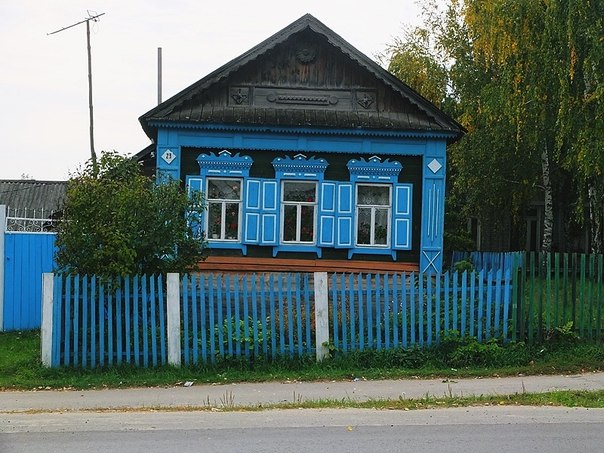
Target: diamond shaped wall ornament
[168,156]
[434,165]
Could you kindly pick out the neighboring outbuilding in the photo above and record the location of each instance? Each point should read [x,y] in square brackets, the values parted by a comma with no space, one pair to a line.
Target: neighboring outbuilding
[311,156]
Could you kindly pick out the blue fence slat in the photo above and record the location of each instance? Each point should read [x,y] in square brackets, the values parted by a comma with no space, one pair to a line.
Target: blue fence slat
[412,302]
[246,315]
[437,303]
[211,308]
[109,325]
[56,320]
[387,302]
[420,308]
[263,315]
[369,307]
[219,315]
[67,319]
[455,300]
[76,320]
[153,309]
[272,308]
[253,290]
[488,317]
[497,327]
[136,320]
[464,298]
[404,309]
[299,313]
[361,311]
[85,324]
[203,323]
[229,314]
[119,325]
[101,312]
[290,316]
[307,299]
[506,303]
[481,303]
[145,309]
[336,314]
[472,302]
[353,340]
[429,321]
[237,319]
[395,310]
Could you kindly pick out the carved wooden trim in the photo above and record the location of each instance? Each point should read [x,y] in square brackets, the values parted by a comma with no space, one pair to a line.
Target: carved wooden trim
[301,99]
[239,95]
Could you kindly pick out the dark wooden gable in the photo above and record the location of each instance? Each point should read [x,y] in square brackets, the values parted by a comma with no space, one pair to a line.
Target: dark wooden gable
[304,75]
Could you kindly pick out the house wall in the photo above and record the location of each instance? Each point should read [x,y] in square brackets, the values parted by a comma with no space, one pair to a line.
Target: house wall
[422,156]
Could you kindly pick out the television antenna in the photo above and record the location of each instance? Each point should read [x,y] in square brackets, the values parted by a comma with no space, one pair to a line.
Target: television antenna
[93,18]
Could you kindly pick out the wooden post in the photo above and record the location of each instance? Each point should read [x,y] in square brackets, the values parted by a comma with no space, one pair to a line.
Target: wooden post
[173,315]
[321,316]
[47,317]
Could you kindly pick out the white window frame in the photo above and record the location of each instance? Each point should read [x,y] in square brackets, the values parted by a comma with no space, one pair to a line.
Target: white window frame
[373,208]
[298,205]
[223,202]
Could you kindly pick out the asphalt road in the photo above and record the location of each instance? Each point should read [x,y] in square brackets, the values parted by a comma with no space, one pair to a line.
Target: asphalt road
[482,429]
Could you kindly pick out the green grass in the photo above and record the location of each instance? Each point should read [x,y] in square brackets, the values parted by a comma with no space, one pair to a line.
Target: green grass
[20,366]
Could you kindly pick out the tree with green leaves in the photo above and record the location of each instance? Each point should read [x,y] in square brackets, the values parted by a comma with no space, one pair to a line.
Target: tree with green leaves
[117,221]
[525,78]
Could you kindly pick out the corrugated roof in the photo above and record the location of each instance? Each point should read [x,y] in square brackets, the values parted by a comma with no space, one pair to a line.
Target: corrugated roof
[32,194]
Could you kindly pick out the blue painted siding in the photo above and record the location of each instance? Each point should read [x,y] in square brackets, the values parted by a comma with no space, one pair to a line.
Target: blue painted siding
[27,257]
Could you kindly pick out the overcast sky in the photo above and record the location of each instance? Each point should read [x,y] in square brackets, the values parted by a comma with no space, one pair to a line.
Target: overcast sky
[43,79]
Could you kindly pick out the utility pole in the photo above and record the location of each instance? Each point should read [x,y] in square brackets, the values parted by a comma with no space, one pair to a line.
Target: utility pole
[94,18]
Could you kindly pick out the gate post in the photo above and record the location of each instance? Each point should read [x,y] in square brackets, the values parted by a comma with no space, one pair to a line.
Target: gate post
[173,312]
[321,316]
[2,260]
[47,317]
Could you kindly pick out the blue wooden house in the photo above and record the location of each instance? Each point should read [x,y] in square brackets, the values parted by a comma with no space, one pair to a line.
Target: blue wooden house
[311,156]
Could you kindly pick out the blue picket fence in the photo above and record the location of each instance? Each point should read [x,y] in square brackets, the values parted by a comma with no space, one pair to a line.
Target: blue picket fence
[255,315]
[491,261]
[105,324]
[403,310]
[264,316]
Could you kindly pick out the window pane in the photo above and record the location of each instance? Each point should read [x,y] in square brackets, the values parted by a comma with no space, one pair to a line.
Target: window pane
[214,220]
[307,234]
[374,195]
[289,222]
[364,226]
[381,226]
[232,220]
[299,191]
[224,189]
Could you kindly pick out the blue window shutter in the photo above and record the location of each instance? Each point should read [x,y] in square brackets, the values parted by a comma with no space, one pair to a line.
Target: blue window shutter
[196,184]
[270,231]
[344,214]
[401,218]
[251,211]
[327,214]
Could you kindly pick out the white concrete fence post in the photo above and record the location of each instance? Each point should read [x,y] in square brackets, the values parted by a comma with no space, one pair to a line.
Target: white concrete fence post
[173,312]
[321,316]
[47,317]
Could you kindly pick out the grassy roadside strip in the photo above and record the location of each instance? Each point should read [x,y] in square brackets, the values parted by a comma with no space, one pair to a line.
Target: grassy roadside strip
[20,367]
[565,398]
